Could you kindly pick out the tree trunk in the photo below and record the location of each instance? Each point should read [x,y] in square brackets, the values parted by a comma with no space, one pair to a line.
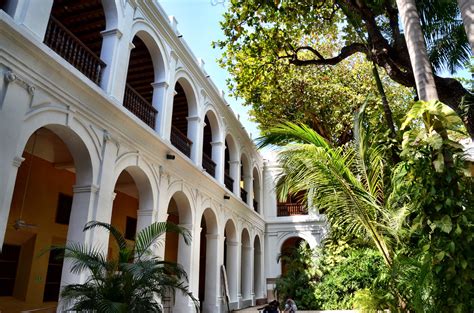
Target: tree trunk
[467,13]
[425,84]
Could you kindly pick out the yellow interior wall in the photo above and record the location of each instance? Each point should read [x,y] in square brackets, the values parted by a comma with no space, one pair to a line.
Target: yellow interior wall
[44,185]
[124,205]
[171,241]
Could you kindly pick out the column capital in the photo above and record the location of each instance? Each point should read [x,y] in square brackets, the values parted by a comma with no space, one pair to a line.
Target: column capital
[112,32]
[212,236]
[85,188]
[234,162]
[195,118]
[216,143]
[232,243]
[162,84]
[147,212]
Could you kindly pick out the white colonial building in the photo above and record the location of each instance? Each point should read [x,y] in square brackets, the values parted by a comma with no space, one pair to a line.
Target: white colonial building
[105,114]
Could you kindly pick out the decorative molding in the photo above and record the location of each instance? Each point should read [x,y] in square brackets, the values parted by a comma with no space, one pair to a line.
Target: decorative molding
[112,32]
[11,77]
[85,189]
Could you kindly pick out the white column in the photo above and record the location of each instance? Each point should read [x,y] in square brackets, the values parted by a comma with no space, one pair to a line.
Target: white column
[16,100]
[212,290]
[81,213]
[248,187]
[144,219]
[218,156]
[467,12]
[183,304]
[8,171]
[34,15]
[234,172]
[113,76]
[268,207]
[231,267]
[246,271]
[166,112]
[257,274]
[195,134]
[160,90]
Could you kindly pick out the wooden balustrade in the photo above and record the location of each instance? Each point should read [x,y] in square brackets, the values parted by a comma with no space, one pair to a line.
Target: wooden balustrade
[180,141]
[255,205]
[139,106]
[228,182]
[289,209]
[70,48]
[243,194]
[209,165]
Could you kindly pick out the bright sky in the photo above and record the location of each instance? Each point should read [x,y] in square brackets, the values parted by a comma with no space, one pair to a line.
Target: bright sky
[198,22]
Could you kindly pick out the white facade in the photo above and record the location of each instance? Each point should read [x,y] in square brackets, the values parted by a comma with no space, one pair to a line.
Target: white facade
[41,90]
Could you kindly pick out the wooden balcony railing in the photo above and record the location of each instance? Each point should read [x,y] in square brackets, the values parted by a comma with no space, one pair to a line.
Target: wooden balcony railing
[209,165]
[70,48]
[138,105]
[255,205]
[228,182]
[243,194]
[180,141]
[289,209]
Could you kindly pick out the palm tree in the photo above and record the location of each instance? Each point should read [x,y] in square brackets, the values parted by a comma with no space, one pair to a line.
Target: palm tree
[346,182]
[420,63]
[132,282]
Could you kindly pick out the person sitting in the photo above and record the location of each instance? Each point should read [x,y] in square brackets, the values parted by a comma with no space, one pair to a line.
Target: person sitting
[290,306]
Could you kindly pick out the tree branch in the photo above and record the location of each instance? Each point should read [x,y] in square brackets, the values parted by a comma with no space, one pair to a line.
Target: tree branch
[345,53]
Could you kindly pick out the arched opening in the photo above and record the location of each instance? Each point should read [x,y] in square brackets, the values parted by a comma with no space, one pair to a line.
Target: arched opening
[257,269]
[256,190]
[293,205]
[43,203]
[231,163]
[176,250]
[179,120]
[230,259]
[209,149]
[245,179]
[138,95]
[133,194]
[74,32]
[246,267]
[288,247]
[208,267]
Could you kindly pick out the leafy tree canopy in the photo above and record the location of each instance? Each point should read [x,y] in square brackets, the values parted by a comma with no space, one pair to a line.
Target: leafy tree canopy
[264,36]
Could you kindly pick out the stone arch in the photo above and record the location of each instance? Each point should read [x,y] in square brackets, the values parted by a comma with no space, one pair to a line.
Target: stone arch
[176,250]
[257,190]
[111,14]
[208,261]
[245,178]
[257,268]
[231,246]
[308,237]
[57,168]
[154,46]
[231,164]
[189,87]
[211,142]
[246,265]
[142,177]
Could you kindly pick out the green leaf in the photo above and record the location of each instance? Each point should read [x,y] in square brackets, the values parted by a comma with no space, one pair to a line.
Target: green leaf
[445,224]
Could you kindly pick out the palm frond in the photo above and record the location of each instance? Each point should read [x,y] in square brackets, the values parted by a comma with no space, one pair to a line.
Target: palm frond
[116,234]
[149,235]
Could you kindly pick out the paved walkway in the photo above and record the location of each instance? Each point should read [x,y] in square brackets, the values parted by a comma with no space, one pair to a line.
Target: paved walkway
[255,309]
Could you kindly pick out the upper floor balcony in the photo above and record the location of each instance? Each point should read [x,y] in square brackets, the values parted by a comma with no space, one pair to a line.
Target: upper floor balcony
[132,65]
[291,209]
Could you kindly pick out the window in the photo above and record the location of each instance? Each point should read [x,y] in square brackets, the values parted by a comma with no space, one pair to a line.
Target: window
[130,228]
[63,211]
